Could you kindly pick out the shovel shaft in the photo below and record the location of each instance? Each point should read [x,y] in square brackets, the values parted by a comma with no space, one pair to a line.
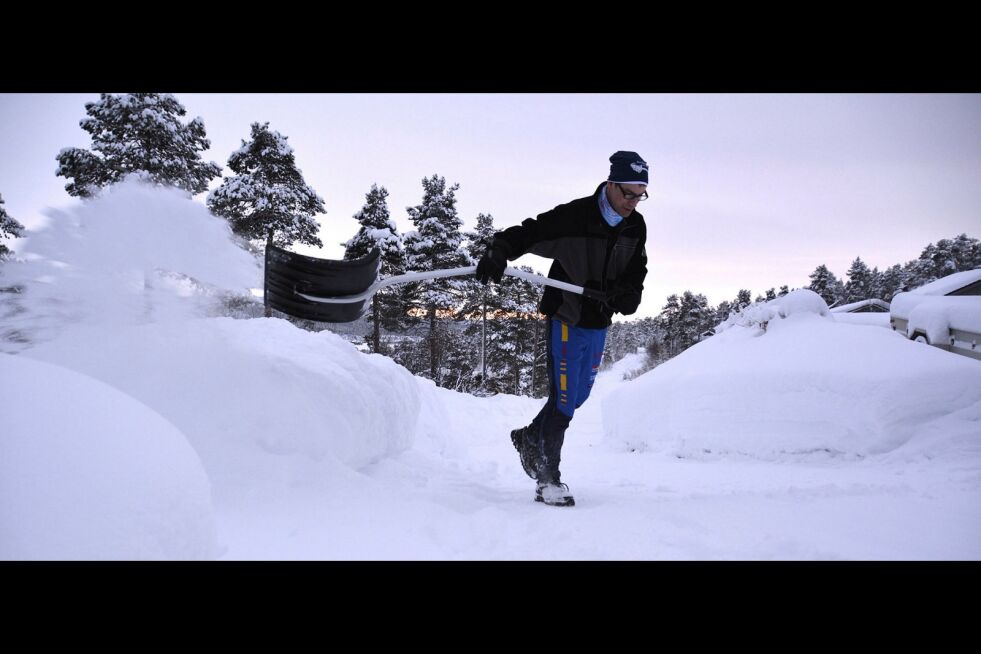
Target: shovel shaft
[451,272]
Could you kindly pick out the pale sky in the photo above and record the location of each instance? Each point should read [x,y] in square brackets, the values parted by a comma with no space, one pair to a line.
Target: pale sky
[747,190]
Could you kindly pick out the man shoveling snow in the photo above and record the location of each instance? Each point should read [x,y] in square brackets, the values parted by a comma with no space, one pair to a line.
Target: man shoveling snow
[596,242]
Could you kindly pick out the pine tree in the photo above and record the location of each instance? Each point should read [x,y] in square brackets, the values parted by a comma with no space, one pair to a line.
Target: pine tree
[742,300]
[825,284]
[967,252]
[479,299]
[891,282]
[9,228]
[138,133]
[513,334]
[668,322]
[876,284]
[860,281]
[696,317]
[378,230]
[723,311]
[267,198]
[436,244]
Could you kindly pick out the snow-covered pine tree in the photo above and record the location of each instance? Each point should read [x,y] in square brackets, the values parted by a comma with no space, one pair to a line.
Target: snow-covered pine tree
[826,284]
[435,244]
[9,228]
[479,299]
[876,284]
[860,281]
[667,323]
[622,338]
[378,230]
[512,337]
[967,252]
[612,350]
[696,318]
[138,133]
[892,281]
[267,198]
[722,311]
[539,369]
[742,300]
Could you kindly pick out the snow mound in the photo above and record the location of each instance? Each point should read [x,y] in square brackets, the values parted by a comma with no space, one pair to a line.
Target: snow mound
[87,472]
[801,302]
[249,392]
[806,386]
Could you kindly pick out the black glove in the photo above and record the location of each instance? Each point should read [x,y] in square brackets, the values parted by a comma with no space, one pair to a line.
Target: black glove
[623,299]
[492,265]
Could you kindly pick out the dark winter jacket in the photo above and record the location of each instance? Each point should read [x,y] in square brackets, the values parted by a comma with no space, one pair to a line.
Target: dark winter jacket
[587,252]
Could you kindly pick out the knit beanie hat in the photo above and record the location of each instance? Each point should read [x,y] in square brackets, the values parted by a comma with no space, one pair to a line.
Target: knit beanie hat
[627,168]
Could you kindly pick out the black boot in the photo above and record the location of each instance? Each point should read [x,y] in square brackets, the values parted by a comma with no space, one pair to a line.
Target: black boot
[527,451]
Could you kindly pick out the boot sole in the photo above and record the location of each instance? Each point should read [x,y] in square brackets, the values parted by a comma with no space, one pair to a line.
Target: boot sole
[568,502]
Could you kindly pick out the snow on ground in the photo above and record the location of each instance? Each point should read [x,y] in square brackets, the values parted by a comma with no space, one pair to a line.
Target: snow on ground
[808,386]
[313,450]
[87,472]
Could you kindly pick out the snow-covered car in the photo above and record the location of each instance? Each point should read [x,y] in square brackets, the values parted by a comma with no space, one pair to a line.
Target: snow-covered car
[945,313]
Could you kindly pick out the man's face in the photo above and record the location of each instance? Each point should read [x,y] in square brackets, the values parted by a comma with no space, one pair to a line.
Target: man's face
[618,195]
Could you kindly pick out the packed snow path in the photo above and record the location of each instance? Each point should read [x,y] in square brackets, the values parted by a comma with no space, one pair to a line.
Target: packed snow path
[461,494]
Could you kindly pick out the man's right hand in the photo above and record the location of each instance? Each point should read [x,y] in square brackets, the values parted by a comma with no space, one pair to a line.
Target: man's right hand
[492,265]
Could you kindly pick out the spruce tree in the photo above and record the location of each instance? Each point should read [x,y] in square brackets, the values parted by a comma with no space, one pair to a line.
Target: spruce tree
[267,198]
[512,335]
[695,317]
[860,281]
[669,325]
[967,252]
[9,228]
[825,284]
[138,133]
[859,285]
[378,230]
[892,281]
[436,244]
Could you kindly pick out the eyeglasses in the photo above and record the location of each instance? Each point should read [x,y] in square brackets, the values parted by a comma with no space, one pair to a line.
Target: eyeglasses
[630,197]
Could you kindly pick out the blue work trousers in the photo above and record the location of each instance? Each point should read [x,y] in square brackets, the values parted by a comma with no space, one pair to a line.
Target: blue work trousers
[574,356]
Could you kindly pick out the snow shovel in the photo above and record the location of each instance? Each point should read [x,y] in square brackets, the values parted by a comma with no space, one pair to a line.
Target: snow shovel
[327,290]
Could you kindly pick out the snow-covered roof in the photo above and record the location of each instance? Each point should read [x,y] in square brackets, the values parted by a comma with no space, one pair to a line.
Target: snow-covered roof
[855,306]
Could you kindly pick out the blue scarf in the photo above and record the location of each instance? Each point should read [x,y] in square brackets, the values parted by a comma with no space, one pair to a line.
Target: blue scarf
[611,217]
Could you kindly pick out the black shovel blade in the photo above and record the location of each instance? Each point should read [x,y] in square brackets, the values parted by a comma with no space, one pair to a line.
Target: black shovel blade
[288,272]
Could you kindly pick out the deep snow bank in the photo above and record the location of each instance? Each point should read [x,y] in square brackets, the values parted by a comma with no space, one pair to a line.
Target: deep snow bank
[807,385]
[119,287]
[87,472]
[242,390]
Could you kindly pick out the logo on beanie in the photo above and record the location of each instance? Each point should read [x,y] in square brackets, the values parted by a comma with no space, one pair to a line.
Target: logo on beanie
[638,167]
